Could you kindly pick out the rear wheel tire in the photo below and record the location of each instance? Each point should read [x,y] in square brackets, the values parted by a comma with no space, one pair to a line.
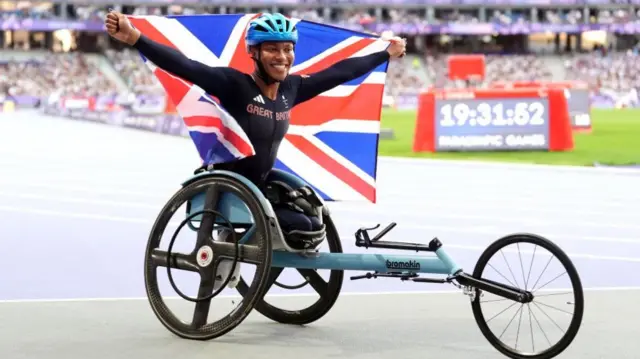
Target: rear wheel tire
[258,252]
[329,291]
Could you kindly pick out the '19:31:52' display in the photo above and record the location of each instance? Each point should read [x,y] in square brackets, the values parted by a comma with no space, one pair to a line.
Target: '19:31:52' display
[491,124]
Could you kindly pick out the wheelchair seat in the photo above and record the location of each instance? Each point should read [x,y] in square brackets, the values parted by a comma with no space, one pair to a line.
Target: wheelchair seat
[299,212]
[297,208]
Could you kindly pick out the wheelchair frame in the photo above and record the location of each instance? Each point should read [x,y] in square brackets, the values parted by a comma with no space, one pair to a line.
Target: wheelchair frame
[232,210]
[405,267]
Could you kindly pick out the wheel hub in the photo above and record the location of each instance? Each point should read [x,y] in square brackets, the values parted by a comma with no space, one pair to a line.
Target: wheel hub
[204,257]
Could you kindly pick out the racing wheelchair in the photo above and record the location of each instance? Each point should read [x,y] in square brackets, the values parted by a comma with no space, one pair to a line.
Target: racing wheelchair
[221,200]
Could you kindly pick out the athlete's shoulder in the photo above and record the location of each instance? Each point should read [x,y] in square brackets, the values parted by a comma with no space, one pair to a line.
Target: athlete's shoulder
[298,76]
[294,81]
[232,73]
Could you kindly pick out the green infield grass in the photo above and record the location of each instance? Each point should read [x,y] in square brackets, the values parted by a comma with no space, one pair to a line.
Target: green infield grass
[615,140]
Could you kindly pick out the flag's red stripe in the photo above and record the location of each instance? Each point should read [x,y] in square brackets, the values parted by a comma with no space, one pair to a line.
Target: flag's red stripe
[238,142]
[365,103]
[336,57]
[333,166]
[150,31]
[175,88]
[241,60]
[208,121]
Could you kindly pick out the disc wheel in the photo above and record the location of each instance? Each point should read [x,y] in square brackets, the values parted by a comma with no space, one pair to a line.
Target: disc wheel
[517,269]
[329,291]
[255,249]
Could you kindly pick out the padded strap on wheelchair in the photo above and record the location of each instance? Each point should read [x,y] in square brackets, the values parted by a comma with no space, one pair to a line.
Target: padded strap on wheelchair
[306,240]
[303,200]
[300,204]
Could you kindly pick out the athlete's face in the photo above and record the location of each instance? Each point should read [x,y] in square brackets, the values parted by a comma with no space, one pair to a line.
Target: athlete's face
[277,58]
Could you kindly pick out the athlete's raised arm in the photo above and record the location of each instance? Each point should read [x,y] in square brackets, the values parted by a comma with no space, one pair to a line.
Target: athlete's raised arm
[214,80]
[345,70]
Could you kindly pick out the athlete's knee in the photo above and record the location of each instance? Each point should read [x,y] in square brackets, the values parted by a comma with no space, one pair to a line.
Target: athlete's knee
[315,224]
[291,220]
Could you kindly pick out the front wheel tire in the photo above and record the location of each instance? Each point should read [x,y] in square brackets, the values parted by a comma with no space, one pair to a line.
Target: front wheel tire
[534,315]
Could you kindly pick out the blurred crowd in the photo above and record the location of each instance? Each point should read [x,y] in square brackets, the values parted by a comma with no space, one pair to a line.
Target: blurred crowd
[65,74]
[133,71]
[497,69]
[74,74]
[616,74]
[516,68]
[28,9]
[35,10]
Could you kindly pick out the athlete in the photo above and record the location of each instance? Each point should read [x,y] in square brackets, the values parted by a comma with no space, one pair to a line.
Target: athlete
[260,102]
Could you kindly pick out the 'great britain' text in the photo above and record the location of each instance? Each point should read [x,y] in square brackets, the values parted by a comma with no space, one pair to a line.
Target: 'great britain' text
[260,111]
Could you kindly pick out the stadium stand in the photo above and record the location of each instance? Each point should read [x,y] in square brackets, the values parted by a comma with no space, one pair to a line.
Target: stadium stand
[64,74]
[613,74]
[616,76]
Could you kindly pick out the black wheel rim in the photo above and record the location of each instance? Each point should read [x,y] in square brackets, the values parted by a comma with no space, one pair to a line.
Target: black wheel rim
[525,318]
[256,250]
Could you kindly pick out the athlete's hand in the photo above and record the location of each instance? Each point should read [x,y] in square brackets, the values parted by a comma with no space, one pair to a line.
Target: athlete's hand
[398,47]
[119,27]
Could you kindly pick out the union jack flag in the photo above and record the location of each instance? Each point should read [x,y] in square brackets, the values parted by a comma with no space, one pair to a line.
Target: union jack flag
[332,141]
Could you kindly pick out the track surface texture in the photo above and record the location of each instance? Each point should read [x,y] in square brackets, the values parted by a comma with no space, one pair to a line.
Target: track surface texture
[77,201]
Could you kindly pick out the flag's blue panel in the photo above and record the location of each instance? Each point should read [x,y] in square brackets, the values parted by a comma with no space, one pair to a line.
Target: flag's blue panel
[281,166]
[350,145]
[210,149]
[212,30]
[316,38]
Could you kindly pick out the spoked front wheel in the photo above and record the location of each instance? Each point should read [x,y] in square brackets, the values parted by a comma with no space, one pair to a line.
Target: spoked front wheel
[544,327]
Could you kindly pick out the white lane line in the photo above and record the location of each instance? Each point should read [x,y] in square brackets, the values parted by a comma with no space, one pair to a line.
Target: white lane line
[185,146]
[162,156]
[295,295]
[98,202]
[424,197]
[148,182]
[145,186]
[98,170]
[482,229]
[430,210]
[570,254]
[489,165]
[431,213]
[97,189]
[529,184]
[579,188]
[52,213]
[457,205]
[496,231]
[173,224]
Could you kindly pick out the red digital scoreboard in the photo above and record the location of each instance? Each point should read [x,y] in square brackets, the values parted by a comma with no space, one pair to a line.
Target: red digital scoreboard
[493,120]
[576,92]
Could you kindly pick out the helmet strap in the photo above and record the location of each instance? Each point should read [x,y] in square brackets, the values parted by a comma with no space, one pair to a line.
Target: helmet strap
[262,72]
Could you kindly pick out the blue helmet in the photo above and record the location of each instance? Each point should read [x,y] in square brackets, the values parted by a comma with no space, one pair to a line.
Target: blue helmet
[271,27]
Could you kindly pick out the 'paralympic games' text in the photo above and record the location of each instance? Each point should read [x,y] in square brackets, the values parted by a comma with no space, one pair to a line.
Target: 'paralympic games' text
[495,141]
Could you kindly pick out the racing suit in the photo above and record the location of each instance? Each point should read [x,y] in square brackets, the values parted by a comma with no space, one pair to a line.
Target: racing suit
[265,121]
